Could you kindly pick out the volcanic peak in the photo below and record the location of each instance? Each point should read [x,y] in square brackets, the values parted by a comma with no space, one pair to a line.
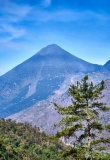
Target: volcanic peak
[53,50]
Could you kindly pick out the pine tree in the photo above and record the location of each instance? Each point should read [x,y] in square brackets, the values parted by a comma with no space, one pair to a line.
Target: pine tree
[81,120]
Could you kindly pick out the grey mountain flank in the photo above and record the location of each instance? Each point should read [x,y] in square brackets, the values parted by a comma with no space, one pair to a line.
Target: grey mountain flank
[28,91]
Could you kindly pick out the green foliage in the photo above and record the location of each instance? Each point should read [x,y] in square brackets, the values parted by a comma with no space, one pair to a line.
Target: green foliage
[22,141]
[81,120]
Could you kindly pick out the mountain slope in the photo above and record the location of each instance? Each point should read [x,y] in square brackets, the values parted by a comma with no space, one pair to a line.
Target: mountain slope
[38,78]
[44,115]
[106,66]
[22,141]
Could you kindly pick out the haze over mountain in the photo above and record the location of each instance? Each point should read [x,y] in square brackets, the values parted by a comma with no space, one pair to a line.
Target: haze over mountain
[42,79]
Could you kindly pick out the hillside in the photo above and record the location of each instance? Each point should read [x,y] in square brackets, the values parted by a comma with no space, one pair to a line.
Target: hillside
[44,115]
[38,78]
[28,91]
[27,94]
[22,141]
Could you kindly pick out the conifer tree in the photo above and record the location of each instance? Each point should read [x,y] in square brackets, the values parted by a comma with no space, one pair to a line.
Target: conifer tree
[81,120]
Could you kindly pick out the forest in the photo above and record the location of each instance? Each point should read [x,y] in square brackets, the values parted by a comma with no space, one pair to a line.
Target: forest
[80,121]
[22,141]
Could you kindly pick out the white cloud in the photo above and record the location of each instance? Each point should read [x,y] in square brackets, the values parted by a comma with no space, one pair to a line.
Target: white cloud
[12,9]
[68,15]
[47,3]
[13,32]
[10,21]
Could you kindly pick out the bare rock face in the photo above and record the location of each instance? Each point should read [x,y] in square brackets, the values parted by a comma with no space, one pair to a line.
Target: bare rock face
[44,115]
[37,78]
[28,91]
[106,66]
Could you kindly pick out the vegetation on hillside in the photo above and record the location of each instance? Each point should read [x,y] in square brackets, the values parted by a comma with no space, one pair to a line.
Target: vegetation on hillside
[82,122]
[22,141]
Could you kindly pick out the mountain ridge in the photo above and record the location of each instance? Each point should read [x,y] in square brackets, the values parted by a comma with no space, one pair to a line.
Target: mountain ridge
[55,49]
[52,48]
[40,77]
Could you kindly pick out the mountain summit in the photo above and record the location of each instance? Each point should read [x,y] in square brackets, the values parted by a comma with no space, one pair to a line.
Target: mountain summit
[52,49]
[107,65]
[55,51]
[58,57]
[38,78]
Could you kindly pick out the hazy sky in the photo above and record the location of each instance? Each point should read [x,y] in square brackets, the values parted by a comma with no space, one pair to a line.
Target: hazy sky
[81,27]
